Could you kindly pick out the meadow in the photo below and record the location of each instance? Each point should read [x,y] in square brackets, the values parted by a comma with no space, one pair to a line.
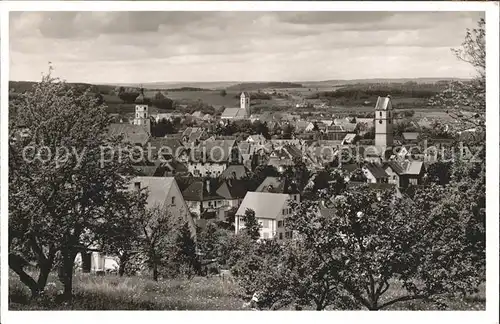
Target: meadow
[112,292]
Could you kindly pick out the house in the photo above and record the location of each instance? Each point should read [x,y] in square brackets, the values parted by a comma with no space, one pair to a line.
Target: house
[212,157]
[410,137]
[334,132]
[202,199]
[256,139]
[133,134]
[270,209]
[284,156]
[327,122]
[233,191]
[349,139]
[164,193]
[303,126]
[198,115]
[283,186]
[374,173]
[235,171]
[193,135]
[243,112]
[405,173]
[164,149]
[161,116]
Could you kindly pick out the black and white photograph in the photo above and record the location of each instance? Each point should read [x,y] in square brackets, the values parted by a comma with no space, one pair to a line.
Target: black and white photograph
[249,160]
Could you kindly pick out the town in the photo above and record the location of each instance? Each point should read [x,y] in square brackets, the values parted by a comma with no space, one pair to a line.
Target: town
[249,195]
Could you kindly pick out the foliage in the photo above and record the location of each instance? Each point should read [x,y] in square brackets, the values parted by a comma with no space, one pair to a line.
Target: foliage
[431,245]
[60,201]
[162,128]
[252,226]
[466,101]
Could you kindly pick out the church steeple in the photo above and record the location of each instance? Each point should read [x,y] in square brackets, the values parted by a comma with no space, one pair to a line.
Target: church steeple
[142,111]
[384,122]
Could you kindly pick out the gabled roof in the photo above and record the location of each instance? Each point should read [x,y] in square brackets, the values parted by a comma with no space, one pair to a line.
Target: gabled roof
[134,134]
[233,113]
[235,171]
[197,114]
[406,167]
[157,188]
[256,138]
[245,94]
[335,128]
[349,138]
[264,204]
[383,103]
[368,121]
[410,136]
[414,167]
[377,171]
[198,191]
[166,146]
[276,185]
[233,189]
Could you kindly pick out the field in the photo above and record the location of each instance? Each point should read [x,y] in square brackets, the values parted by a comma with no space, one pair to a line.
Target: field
[199,293]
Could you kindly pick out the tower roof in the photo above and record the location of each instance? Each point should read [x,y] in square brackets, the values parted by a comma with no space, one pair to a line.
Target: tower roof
[141,99]
[245,94]
[383,103]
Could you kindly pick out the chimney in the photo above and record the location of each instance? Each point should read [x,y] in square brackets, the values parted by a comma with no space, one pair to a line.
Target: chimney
[207,185]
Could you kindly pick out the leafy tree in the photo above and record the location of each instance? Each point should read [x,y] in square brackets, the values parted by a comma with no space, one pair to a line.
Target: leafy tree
[128,97]
[59,202]
[223,93]
[122,236]
[156,227]
[252,226]
[468,97]
[208,241]
[186,251]
[372,240]
[162,128]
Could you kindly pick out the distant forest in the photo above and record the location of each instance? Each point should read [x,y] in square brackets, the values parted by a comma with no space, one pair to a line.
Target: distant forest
[251,86]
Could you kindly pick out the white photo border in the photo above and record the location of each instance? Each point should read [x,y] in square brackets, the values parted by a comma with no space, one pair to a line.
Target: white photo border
[492,104]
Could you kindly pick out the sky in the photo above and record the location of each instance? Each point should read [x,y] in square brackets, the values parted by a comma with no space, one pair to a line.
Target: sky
[143,47]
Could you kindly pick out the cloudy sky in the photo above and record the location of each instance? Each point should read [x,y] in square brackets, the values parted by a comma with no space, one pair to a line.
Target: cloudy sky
[133,47]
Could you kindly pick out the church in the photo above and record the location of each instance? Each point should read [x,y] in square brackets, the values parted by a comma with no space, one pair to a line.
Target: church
[243,112]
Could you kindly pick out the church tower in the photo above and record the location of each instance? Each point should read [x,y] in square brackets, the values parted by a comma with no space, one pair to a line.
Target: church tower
[384,123]
[142,112]
[245,103]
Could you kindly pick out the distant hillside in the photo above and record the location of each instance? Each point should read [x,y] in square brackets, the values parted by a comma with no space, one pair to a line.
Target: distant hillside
[23,86]
[333,83]
[250,86]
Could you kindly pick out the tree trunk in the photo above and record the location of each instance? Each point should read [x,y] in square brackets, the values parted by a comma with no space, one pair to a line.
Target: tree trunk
[155,272]
[66,273]
[123,263]
[17,263]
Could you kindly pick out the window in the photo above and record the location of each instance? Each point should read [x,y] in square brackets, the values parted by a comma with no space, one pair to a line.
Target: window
[380,114]
[281,236]
[284,213]
[173,201]
[288,235]
[280,224]
[389,121]
[380,121]
[144,115]
[137,186]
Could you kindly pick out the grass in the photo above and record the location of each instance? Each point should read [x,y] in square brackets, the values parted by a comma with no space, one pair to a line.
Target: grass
[131,293]
[111,292]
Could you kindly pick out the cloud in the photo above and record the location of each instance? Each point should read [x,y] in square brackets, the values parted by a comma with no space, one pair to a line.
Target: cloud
[235,45]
